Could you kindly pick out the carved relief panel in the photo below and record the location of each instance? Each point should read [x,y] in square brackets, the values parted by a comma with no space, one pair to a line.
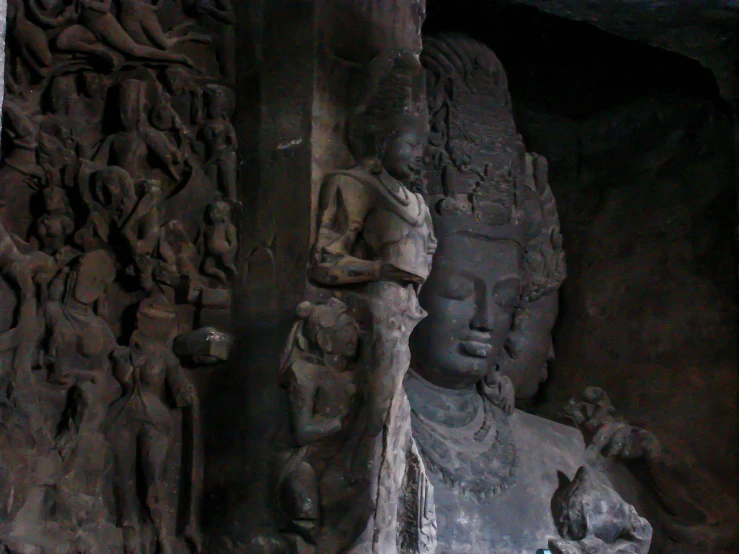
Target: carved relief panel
[118,214]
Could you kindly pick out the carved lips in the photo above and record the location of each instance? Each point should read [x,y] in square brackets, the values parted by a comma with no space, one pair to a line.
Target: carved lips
[478,346]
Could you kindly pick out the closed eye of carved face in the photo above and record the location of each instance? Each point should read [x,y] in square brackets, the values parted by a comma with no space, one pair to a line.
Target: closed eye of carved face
[457,287]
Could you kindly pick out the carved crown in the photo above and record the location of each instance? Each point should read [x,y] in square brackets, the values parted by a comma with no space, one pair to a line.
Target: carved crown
[478,174]
[392,97]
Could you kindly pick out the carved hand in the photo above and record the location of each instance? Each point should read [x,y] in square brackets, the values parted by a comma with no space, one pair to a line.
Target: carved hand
[607,433]
[618,439]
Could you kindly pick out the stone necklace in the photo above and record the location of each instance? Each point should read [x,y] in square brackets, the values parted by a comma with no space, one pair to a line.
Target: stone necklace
[478,459]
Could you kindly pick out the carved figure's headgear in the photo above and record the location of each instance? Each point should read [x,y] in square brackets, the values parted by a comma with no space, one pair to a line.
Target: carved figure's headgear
[480,179]
[393,98]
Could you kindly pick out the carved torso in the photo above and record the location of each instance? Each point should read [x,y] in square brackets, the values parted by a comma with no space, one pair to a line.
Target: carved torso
[129,151]
[144,374]
[332,391]
[80,340]
[397,229]
[517,517]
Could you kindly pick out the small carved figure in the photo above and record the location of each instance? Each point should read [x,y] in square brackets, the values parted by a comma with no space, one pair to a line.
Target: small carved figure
[219,137]
[141,426]
[56,225]
[57,159]
[219,16]
[372,227]
[30,38]
[186,97]
[180,258]
[131,147]
[140,21]
[95,92]
[26,269]
[221,243]
[62,96]
[124,218]
[317,372]
[20,175]
[78,341]
[99,33]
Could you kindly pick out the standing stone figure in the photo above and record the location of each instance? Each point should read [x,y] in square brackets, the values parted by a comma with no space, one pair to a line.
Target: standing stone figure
[376,235]
[221,243]
[141,427]
[371,226]
[219,137]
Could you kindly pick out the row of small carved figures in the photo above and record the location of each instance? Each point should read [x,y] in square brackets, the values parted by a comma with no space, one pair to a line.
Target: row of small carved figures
[63,137]
[90,28]
[132,229]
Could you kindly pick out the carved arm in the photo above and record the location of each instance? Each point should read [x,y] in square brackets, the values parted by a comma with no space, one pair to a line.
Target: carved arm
[183,391]
[608,434]
[307,427]
[51,22]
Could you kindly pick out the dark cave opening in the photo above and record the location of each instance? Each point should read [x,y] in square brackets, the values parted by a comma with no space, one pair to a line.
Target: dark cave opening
[641,153]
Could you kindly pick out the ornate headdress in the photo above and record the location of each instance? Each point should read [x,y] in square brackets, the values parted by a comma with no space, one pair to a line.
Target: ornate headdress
[479,177]
[392,98]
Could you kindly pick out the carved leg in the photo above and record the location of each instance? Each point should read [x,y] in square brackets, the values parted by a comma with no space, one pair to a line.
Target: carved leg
[34,44]
[210,269]
[77,39]
[154,445]
[123,441]
[110,32]
[227,167]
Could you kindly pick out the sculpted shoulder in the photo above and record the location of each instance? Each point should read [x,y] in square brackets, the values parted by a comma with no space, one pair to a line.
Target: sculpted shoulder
[554,446]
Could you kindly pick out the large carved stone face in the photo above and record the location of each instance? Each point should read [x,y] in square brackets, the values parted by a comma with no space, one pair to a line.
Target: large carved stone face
[531,347]
[403,153]
[470,298]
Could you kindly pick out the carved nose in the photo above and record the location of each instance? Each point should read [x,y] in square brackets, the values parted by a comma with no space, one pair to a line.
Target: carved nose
[484,318]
